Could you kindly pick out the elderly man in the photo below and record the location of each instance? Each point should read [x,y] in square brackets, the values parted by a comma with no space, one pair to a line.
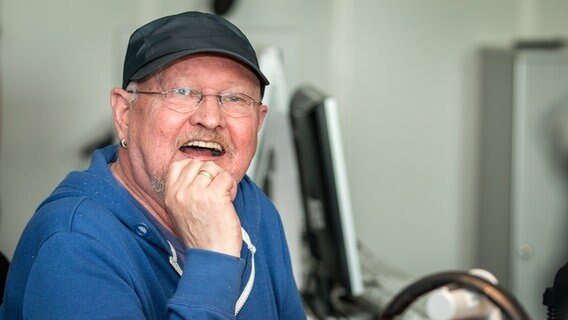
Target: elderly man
[166,225]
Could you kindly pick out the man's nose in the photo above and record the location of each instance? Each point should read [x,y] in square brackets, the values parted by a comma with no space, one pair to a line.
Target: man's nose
[208,113]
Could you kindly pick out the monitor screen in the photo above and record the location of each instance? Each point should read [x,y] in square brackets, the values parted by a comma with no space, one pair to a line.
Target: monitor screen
[329,227]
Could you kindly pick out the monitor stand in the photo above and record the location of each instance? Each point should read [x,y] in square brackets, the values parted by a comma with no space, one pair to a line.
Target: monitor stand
[325,300]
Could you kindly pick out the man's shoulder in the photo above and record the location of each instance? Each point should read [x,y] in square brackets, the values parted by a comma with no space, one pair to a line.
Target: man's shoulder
[66,212]
[89,196]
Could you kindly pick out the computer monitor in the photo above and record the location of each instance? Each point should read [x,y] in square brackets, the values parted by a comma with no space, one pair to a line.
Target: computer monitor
[329,227]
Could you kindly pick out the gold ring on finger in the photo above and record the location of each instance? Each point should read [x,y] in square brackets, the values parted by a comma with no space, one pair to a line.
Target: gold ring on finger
[207,174]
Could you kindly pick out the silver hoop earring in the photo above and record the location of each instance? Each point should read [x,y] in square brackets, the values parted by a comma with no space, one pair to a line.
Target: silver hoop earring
[123,143]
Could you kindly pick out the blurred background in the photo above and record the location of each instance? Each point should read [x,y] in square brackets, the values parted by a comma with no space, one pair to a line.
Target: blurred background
[407,77]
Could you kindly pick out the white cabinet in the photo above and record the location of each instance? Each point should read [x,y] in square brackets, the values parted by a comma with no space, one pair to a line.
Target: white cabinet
[523,203]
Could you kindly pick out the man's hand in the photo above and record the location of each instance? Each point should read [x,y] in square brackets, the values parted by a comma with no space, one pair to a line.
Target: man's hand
[199,197]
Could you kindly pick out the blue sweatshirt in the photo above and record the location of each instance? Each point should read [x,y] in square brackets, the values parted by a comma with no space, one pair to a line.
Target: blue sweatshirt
[91,251]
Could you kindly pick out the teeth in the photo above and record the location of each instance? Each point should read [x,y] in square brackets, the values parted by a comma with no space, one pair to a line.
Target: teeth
[205,144]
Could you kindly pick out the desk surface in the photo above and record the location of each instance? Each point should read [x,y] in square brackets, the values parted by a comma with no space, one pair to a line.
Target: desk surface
[383,282]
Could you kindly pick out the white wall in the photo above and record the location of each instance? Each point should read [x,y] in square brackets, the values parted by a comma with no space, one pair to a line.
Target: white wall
[411,134]
[403,72]
[411,119]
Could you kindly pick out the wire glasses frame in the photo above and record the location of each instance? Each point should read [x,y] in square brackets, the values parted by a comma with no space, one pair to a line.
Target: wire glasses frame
[185,100]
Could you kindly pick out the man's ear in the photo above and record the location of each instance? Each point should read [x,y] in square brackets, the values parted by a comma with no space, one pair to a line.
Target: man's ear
[120,103]
[262,112]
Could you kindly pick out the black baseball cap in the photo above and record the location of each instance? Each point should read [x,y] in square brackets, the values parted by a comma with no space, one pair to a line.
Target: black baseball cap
[167,39]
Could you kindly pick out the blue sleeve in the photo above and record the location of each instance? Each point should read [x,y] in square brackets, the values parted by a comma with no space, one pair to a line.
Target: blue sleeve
[209,287]
[74,276]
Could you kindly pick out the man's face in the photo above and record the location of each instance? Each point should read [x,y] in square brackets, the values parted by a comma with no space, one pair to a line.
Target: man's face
[158,135]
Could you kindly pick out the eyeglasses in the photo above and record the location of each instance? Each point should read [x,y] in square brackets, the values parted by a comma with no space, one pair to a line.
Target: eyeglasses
[185,100]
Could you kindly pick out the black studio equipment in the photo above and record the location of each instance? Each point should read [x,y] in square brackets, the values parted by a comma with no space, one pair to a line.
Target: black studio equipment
[4,265]
[221,7]
[509,306]
[555,298]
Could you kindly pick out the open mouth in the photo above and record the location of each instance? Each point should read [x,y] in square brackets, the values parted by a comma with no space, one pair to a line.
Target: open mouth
[202,149]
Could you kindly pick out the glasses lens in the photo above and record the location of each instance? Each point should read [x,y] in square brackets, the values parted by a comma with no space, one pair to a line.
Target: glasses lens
[183,99]
[236,104]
